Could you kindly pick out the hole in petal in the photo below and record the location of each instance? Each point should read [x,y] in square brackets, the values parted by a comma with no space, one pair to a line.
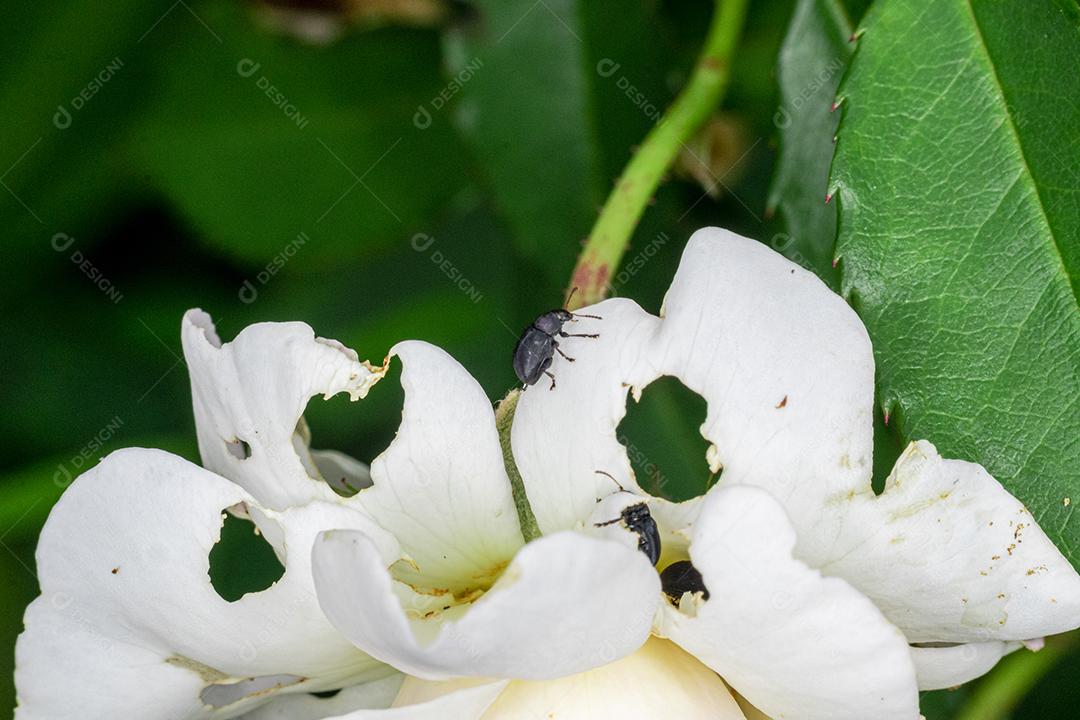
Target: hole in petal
[663,440]
[888,445]
[220,695]
[326,694]
[239,449]
[241,561]
[336,440]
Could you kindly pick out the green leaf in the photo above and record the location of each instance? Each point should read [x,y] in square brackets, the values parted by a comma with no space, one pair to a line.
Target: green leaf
[959,217]
[627,67]
[257,139]
[19,588]
[812,58]
[526,112]
[67,84]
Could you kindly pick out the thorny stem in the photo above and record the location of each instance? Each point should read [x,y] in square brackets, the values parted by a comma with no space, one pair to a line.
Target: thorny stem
[620,215]
[998,694]
[504,420]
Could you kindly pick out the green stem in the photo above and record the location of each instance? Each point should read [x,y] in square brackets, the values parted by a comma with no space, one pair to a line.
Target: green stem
[504,420]
[607,242]
[998,694]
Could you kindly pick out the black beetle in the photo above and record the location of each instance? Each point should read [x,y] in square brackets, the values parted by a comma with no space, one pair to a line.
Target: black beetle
[681,577]
[638,519]
[537,345]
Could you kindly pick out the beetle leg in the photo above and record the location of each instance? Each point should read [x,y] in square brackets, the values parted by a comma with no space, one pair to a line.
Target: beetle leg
[570,359]
[566,334]
[552,379]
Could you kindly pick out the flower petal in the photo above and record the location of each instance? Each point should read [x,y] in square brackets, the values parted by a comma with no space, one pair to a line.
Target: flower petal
[465,701]
[566,603]
[249,397]
[784,364]
[660,680]
[128,622]
[944,667]
[950,556]
[441,487]
[377,694]
[561,438]
[793,643]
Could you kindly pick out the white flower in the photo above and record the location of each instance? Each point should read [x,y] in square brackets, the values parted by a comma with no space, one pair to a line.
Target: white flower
[818,590]
[129,625]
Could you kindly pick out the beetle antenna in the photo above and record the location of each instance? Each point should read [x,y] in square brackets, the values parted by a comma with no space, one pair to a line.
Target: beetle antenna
[601,472]
[580,315]
[569,297]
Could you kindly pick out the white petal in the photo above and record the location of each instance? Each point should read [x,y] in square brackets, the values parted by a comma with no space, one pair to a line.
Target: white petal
[944,667]
[465,701]
[794,643]
[950,556]
[250,395]
[441,487]
[658,681]
[377,694]
[565,604]
[469,703]
[128,622]
[344,473]
[562,437]
[784,364]
[786,369]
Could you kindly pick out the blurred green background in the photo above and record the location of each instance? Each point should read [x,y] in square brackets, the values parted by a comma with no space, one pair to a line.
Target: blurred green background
[380,170]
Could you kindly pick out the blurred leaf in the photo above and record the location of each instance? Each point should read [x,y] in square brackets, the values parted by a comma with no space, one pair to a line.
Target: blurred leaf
[626,69]
[526,112]
[815,53]
[68,75]
[996,695]
[959,220]
[280,138]
[16,592]
[856,9]
[1057,694]
[943,704]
